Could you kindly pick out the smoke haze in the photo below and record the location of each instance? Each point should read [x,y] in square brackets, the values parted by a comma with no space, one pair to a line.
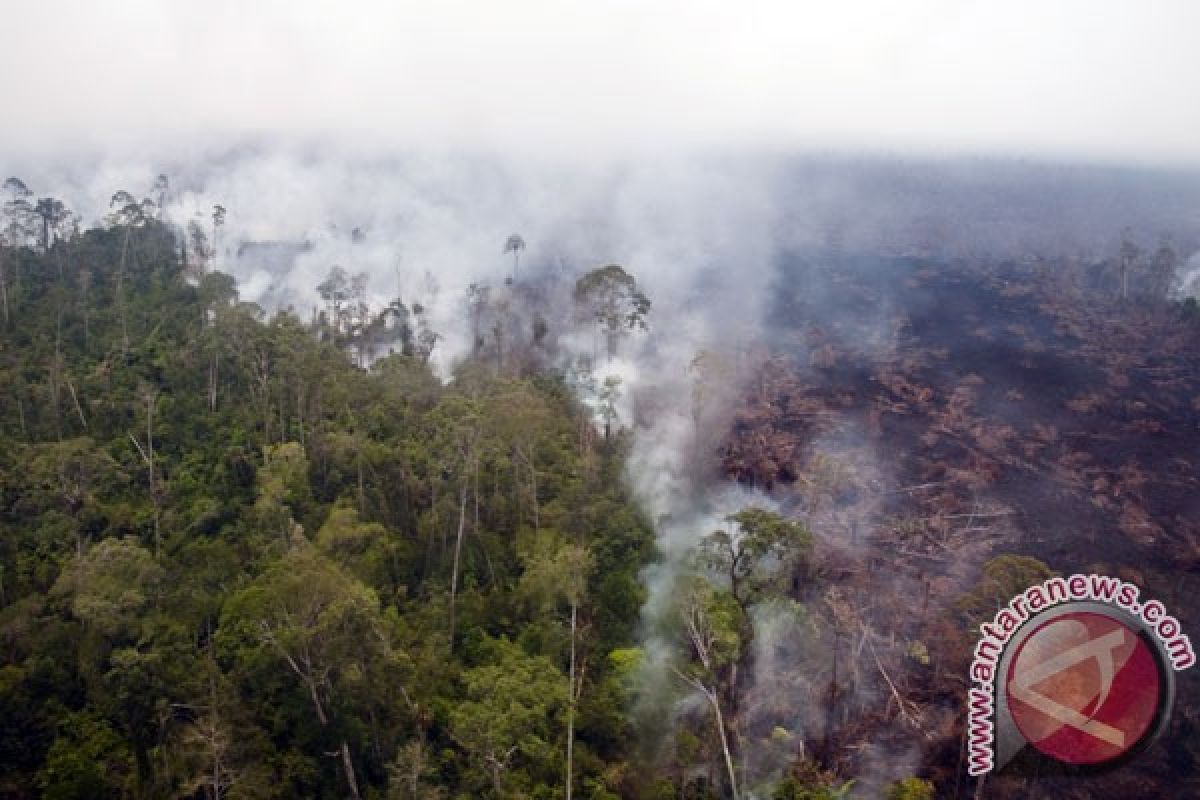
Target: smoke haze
[697,145]
[1075,81]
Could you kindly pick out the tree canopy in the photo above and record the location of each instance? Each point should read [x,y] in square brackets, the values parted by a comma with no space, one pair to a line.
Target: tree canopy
[246,556]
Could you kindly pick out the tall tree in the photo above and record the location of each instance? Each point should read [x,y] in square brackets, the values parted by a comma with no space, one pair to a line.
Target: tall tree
[337,290]
[558,571]
[324,628]
[711,622]
[758,556]
[737,569]
[53,216]
[161,187]
[514,244]
[478,303]
[608,397]
[218,222]
[126,213]
[509,714]
[1128,260]
[1162,268]
[427,337]
[201,249]
[70,476]
[111,585]
[609,296]
[463,430]
[149,396]
[17,213]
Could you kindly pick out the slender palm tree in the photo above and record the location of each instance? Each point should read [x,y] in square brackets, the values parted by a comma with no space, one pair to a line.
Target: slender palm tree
[514,244]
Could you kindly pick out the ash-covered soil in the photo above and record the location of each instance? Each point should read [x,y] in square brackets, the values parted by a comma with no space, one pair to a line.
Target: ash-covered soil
[925,417]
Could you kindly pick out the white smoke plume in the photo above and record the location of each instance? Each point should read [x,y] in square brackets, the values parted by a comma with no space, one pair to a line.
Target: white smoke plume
[702,236]
[1187,278]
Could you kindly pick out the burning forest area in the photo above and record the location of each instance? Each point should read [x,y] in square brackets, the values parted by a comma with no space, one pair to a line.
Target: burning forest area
[361,503]
[600,401]
[951,432]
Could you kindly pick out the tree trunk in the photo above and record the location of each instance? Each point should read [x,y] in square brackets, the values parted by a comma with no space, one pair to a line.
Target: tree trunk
[85,283]
[21,417]
[462,524]
[827,744]
[216,753]
[75,399]
[144,770]
[434,528]
[301,410]
[283,437]
[312,690]
[54,388]
[213,367]
[716,704]
[475,479]
[56,372]
[533,491]
[362,489]
[121,293]
[4,291]
[150,468]
[348,766]
[571,695]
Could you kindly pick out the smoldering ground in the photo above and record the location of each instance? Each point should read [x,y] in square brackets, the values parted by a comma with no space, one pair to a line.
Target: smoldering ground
[714,242]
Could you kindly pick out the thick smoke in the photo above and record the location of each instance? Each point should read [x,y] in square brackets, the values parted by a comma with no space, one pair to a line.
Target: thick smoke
[703,237]
[1188,278]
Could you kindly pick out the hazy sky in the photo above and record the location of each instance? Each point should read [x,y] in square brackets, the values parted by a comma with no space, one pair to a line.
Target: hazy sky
[1079,80]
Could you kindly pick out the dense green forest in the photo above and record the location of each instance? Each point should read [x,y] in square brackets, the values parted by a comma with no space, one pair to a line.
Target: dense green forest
[237,564]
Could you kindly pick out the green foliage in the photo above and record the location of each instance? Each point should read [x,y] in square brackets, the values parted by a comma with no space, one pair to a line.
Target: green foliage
[111,586]
[363,549]
[610,296]
[792,790]
[555,569]
[282,488]
[305,508]
[807,781]
[918,652]
[1004,577]
[88,759]
[412,772]
[910,789]
[760,556]
[715,623]
[734,575]
[509,717]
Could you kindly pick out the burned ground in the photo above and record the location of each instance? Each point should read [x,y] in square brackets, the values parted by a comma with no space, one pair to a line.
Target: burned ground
[925,417]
